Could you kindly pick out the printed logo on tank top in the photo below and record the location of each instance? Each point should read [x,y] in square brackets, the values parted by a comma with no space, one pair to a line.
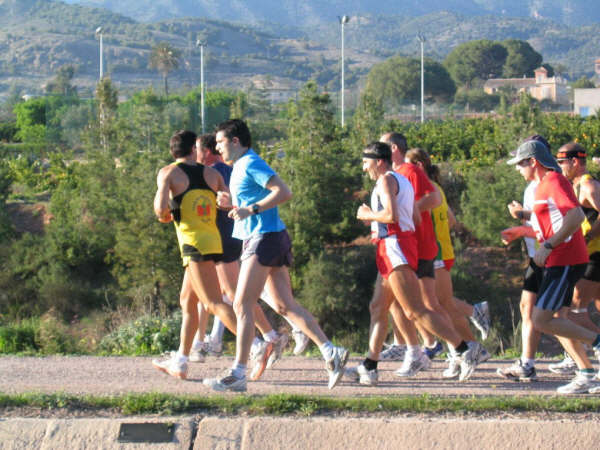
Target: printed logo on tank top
[202,207]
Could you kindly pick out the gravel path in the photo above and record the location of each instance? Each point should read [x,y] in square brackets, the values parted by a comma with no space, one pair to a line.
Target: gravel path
[297,375]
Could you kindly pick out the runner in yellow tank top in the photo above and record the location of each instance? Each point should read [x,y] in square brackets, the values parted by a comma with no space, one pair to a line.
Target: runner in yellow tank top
[186,195]
[441,226]
[572,160]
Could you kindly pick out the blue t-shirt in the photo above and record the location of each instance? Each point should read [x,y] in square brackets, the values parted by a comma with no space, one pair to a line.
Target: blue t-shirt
[248,180]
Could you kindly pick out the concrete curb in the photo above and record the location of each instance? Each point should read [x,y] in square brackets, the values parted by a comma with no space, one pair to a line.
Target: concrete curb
[301,433]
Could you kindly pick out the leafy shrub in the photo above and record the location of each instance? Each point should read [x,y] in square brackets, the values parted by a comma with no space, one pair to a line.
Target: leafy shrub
[53,337]
[337,287]
[18,337]
[142,336]
[483,203]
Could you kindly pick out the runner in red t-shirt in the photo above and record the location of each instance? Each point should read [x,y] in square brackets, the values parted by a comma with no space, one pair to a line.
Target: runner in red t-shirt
[557,218]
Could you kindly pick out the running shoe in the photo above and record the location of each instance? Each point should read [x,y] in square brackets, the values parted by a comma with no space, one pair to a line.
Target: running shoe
[227,382]
[335,366]
[172,366]
[469,360]
[413,365]
[433,351]
[481,319]
[278,347]
[362,375]
[301,341]
[259,355]
[453,369]
[214,347]
[518,372]
[484,355]
[198,352]
[581,384]
[393,352]
[566,366]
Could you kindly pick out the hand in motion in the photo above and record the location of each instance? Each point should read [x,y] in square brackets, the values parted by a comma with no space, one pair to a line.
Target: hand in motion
[239,213]
[364,213]
[224,200]
[514,207]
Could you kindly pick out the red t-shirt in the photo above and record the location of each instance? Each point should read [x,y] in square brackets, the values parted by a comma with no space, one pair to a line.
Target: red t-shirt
[427,245]
[554,197]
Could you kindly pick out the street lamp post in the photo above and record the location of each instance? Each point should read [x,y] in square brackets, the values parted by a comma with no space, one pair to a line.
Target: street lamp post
[99,32]
[343,20]
[200,44]
[421,39]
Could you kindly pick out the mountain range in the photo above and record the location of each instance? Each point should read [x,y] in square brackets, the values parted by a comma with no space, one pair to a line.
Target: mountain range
[312,12]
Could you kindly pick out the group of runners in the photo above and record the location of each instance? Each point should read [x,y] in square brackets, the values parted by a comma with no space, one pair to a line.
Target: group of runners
[223,199]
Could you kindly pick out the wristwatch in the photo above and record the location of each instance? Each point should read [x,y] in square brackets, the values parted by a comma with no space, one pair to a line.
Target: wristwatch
[548,245]
[255,208]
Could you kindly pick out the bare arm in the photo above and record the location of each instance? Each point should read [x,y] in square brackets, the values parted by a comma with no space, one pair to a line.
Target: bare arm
[429,201]
[571,222]
[389,212]
[161,198]
[280,193]
[451,218]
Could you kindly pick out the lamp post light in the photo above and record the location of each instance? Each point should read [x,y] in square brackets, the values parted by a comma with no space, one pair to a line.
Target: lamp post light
[421,39]
[343,20]
[200,44]
[99,32]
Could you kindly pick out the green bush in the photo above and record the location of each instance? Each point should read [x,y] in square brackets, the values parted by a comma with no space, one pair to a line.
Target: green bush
[143,336]
[18,337]
[52,336]
[483,203]
[336,288]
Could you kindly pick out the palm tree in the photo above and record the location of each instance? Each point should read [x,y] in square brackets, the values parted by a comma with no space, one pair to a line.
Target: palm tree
[164,58]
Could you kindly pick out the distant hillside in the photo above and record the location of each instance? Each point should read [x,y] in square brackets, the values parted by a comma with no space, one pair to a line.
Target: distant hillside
[311,12]
[39,36]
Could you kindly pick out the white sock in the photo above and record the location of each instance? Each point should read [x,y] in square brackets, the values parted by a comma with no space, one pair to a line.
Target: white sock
[181,358]
[197,343]
[271,336]
[216,334]
[239,370]
[413,351]
[527,362]
[227,299]
[255,342]
[327,350]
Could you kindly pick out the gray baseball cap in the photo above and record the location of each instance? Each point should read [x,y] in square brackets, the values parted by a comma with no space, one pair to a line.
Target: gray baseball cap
[537,150]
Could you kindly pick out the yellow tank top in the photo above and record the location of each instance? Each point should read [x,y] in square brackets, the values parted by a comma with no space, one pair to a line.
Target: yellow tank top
[442,228]
[591,215]
[195,216]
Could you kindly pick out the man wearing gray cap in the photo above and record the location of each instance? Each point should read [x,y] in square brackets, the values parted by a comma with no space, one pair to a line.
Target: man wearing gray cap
[556,219]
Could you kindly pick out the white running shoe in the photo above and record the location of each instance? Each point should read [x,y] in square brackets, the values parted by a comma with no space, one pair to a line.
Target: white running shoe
[453,369]
[301,341]
[469,360]
[335,366]
[278,347]
[171,366]
[259,355]
[214,348]
[362,375]
[198,352]
[566,366]
[481,319]
[393,352]
[580,384]
[518,372]
[227,382]
[413,365]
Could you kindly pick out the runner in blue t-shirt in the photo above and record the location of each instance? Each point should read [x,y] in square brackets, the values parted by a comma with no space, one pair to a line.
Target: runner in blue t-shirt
[256,190]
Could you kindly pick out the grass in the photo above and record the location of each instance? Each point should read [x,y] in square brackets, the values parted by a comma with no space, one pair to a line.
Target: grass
[300,405]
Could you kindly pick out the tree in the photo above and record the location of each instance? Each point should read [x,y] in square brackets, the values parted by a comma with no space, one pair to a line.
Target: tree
[321,173]
[396,81]
[583,83]
[164,58]
[61,83]
[521,59]
[476,60]
[107,98]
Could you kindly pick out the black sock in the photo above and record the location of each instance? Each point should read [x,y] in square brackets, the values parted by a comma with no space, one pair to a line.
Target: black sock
[596,343]
[370,364]
[463,347]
